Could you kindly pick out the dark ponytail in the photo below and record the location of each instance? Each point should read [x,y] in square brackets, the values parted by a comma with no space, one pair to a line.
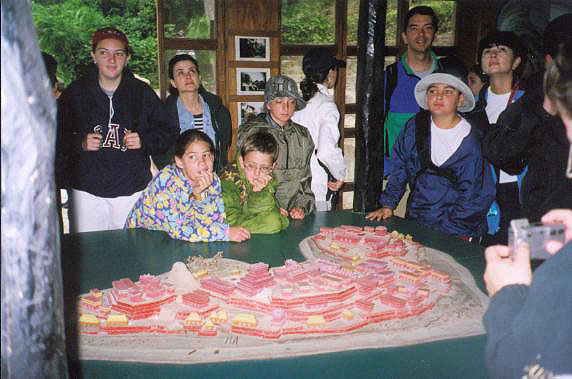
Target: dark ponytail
[308,85]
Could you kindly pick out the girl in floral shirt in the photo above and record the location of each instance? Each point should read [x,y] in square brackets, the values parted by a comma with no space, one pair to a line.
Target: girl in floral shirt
[185,198]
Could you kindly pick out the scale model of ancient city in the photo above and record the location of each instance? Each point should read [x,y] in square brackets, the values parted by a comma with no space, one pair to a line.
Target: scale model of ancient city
[380,288]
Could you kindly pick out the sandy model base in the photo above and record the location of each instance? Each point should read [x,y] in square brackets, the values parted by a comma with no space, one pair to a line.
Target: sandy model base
[346,322]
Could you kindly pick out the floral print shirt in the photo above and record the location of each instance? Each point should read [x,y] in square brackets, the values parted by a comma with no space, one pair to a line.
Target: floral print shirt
[167,205]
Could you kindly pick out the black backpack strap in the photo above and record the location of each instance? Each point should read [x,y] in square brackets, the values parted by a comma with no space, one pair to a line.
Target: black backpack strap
[330,195]
[391,83]
[422,124]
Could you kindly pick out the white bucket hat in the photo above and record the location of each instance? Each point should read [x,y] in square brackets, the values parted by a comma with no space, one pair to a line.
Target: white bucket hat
[424,84]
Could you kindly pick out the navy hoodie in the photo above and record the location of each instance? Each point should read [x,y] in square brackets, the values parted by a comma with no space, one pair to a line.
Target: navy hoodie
[113,170]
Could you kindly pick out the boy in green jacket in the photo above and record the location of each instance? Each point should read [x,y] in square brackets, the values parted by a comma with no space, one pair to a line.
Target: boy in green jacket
[248,188]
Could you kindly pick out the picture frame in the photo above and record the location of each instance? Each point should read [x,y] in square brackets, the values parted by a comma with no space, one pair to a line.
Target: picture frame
[251,81]
[252,48]
[247,110]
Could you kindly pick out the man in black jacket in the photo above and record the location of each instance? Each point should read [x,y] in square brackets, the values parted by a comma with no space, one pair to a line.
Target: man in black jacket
[527,134]
[109,123]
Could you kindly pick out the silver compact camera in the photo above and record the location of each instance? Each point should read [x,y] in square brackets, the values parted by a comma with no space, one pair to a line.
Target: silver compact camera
[535,235]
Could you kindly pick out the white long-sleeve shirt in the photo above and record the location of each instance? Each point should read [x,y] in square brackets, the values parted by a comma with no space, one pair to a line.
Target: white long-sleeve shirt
[321,118]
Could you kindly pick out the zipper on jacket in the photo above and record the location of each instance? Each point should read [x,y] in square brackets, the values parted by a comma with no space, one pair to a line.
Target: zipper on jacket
[287,152]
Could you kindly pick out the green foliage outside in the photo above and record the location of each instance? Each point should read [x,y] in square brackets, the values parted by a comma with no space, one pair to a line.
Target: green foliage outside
[308,22]
[445,10]
[65,28]
[188,18]
[312,21]
[390,26]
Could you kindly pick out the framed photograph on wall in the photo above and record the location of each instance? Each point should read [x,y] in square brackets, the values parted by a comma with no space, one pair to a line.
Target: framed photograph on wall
[252,48]
[248,110]
[251,81]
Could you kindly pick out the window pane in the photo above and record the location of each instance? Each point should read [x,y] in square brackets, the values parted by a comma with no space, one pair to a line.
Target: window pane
[291,65]
[390,25]
[308,22]
[207,65]
[351,72]
[349,121]
[349,156]
[389,60]
[446,13]
[353,17]
[348,202]
[193,19]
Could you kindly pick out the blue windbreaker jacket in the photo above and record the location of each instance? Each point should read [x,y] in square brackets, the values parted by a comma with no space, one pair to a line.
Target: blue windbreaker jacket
[457,208]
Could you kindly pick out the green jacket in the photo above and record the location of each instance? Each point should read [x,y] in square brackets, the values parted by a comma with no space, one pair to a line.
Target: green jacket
[400,80]
[292,169]
[256,211]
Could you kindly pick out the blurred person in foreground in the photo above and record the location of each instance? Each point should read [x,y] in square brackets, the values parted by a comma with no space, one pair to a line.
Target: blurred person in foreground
[529,330]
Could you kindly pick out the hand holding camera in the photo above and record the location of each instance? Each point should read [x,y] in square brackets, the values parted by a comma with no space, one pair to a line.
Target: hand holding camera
[536,236]
[511,265]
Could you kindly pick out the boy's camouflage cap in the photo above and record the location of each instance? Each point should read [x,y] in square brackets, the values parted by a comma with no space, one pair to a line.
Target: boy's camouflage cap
[282,86]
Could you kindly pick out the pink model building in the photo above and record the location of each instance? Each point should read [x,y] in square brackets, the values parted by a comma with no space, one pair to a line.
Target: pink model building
[362,276]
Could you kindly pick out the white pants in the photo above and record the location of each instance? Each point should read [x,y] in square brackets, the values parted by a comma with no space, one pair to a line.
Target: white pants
[90,213]
[323,206]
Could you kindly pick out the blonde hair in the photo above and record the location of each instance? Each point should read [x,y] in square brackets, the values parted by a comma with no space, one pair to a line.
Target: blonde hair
[558,78]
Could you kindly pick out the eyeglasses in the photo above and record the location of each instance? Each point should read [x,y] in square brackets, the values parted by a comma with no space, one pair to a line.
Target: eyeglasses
[253,167]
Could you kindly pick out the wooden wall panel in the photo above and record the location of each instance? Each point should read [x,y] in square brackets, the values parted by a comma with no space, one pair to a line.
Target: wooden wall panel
[253,15]
[476,19]
[257,18]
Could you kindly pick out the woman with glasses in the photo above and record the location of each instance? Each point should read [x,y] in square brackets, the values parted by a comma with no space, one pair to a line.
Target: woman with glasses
[185,198]
[248,188]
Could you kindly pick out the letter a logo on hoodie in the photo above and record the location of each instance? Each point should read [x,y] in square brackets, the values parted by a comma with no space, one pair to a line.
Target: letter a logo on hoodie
[112,137]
